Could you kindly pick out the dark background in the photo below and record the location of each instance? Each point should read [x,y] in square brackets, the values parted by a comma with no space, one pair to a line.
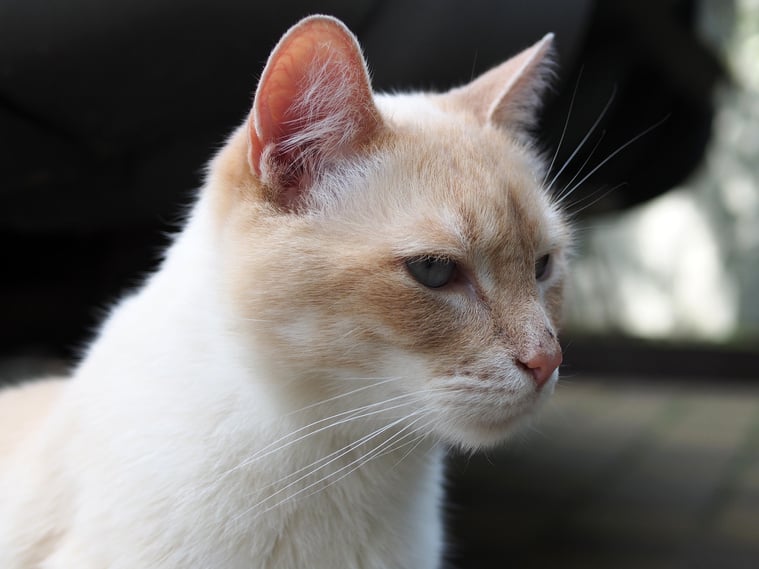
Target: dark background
[110,110]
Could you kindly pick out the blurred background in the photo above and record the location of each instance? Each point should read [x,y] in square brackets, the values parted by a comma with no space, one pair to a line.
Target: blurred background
[649,454]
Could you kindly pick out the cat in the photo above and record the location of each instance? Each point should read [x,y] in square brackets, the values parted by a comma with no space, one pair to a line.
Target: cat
[364,280]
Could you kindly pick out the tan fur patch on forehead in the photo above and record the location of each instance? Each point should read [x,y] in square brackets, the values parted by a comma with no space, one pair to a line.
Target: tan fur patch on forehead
[476,182]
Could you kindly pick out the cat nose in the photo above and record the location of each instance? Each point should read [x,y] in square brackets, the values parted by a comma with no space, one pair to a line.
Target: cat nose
[542,364]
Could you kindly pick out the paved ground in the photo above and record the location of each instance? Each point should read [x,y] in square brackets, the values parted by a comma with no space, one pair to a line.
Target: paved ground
[618,475]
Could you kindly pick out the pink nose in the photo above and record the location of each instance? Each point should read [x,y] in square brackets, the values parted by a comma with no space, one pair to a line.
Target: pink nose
[542,365]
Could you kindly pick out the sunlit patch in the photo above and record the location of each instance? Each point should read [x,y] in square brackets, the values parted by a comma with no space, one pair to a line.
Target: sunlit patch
[685,265]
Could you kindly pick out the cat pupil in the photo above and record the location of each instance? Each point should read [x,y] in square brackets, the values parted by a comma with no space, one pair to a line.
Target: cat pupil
[432,272]
[541,267]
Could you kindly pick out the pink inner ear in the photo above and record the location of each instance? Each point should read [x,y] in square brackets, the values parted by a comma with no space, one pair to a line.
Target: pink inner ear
[283,85]
[314,102]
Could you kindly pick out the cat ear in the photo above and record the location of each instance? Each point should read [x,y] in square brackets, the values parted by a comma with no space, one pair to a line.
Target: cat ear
[509,95]
[313,106]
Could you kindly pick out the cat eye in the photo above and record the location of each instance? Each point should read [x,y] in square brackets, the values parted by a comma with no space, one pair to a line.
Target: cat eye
[432,272]
[542,268]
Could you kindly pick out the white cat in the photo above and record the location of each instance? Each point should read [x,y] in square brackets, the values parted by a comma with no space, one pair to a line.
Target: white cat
[363,278]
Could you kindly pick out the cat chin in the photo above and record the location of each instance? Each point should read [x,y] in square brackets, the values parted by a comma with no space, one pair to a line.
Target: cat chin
[490,435]
[483,433]
[490,420]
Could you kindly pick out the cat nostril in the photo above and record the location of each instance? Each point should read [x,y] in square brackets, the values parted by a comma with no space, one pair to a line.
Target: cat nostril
[542,365]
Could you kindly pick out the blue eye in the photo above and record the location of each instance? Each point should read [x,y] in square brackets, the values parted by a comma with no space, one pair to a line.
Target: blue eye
[432,272]
[543,268]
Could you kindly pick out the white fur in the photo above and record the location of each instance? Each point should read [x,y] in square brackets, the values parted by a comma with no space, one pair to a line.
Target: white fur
[166,422]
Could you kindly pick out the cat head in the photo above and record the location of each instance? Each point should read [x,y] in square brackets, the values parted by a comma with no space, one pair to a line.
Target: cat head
[400,248]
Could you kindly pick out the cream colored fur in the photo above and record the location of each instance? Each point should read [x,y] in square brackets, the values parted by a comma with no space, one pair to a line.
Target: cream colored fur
[277,394]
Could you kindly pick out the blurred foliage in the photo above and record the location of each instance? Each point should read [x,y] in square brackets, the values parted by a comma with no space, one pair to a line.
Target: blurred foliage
[685,266]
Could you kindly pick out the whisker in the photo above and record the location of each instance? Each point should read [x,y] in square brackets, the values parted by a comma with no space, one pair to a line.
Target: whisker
[585,138]
[564,194]
[251,459]
[344,451]
[339,453]
[617,151]
[415,442]
[397,445]
[594,201]
[348,416]
[323,478]
[377,452]
[346,394]
[359,462]
[563,130]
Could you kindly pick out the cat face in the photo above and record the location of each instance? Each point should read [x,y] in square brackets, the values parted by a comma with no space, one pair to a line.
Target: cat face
[396,247]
